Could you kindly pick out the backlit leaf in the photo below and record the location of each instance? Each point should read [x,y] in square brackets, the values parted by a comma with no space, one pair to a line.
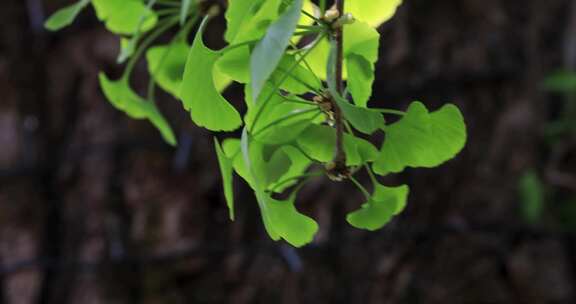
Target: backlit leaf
[248,19]
[422,139]
[385,203]
[359,39]
[126,16]
[281,119]
[360,79]
[319,143]
[125,99]
[198,91]
[235,64]
[287,223]
[238,12]
[226,171]
[270,50]
[65,16]
[374,12]
[364,120]
[185,10]
[166,65]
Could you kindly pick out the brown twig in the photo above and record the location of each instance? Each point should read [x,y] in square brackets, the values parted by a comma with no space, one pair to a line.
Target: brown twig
[338,169]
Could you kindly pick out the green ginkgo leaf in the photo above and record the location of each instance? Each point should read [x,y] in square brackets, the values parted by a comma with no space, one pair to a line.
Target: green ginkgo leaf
[359,38]
[364,120]
[127,48]
[185,10]
[299,163]
[269,164]
[226,170]
[125,99]
[269,51]
[293,77]
[273,165]
[235,64]
[385,203]
[237,14]
[374,12]
[319,142]
[166,65]
[281,119]
[65,16]
[422,139]
[126,16]
[282,220]
[198,92]
[360,79]
[248,20]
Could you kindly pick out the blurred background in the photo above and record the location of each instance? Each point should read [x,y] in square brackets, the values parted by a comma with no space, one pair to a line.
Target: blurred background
[95,208]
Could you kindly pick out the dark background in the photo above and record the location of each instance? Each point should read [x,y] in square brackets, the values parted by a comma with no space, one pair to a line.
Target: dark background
[95,208]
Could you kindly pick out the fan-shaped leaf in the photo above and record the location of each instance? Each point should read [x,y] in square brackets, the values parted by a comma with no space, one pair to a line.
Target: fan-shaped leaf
[65,16]
[319,143]
[198,91]
[125,99]
[166,65]
[422,139]
[385,203]
[125,17]
[284,221]
[374,12]
[359,39]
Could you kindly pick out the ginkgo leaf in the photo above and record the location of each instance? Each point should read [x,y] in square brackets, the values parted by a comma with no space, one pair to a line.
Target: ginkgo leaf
[125,17]
[282,220]
[226,170]
[269,163]
[270,50]
[319,143]
[309,7]
[125,99]
[374,12]
[166,65]
[284,168]
[422,139]
[185,10]
[239,12]
[281,119]
[359,39]
[247,20]
[198,91]
[293,77]
[360,79]
[65,16]
[235,64]
[127,48]
[364,120]
[385,203]
[299,163]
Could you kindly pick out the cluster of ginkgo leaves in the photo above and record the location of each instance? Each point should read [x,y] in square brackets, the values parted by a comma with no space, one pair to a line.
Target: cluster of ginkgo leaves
[286,53]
